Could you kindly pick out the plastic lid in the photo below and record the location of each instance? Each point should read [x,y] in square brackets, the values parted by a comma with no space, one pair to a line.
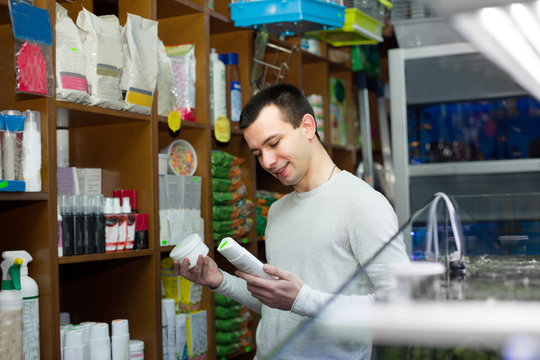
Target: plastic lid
[99,204]
[232,58]
[32,117]
[99,330]
[14,122]
[120,327]
[2,123]
[126,207]
[74,337]
[108,207]
[141,222]
[132,195]
[230,248]
[191,247]
[223,58]
[117,209]
[10,112]
[136,345]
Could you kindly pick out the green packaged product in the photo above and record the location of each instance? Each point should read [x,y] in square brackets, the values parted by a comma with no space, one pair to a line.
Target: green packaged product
[228,337]
[227,225]
[224,212]
[235,234]
[226,184]
[231,324]
[226,350]
[225,172]
[223,300]
[229,312]
[222,158]
[222,198]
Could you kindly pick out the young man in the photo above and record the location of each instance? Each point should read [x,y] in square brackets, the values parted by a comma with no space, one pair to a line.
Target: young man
[316,237]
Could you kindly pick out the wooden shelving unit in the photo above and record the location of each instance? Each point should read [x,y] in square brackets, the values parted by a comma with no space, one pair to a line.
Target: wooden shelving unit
[103,287]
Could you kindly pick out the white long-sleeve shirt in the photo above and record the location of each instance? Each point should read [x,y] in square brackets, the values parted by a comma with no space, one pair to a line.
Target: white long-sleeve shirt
[323,236]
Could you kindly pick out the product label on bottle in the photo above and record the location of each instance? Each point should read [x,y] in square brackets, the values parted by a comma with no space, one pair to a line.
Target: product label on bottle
[122,233]
[31,328]
[236,101]
[111,233]
[130,236]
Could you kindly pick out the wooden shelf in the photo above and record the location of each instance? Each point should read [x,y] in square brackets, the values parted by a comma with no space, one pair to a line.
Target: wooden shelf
[71,115]
[23,196]
[174,8]
[104,257]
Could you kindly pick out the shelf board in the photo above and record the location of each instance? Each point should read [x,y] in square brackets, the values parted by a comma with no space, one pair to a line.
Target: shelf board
[172,8]
[166,249]
[310,58]
[163,123]
[24,196]
[103,257]
[220,23]
[78,115]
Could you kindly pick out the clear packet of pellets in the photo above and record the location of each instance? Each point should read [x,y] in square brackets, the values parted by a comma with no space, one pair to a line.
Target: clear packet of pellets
[183,66]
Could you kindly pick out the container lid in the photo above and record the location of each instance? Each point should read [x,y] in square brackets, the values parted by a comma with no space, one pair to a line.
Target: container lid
[108,207]
[14,122]
[182,157]
[120,327]
[117,209]
[230,248]
[126,207]
[136,345]
[99,330]
[141,222]
[232,58]
[185,246]
[132,195]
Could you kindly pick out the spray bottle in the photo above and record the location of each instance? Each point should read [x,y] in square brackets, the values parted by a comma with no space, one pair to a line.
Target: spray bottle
[30,293]
[11,324]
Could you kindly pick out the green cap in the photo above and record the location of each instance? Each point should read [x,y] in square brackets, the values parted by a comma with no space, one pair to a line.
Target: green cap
[15,273]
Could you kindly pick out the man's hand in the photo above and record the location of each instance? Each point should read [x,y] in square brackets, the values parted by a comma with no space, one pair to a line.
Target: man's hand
[278,294]
[205,272]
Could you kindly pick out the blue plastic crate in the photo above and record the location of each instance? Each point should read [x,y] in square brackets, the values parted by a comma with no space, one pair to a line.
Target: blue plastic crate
[288,15]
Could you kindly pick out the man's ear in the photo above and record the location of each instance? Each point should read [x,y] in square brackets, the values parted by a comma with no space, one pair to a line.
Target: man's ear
[309,125]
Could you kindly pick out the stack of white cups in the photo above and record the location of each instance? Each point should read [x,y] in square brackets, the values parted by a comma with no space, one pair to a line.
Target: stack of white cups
[74,346]
[99,341]
[169,308]
[120,339]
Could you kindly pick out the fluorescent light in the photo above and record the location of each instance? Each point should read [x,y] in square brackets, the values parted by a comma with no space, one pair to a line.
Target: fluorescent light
[509,36]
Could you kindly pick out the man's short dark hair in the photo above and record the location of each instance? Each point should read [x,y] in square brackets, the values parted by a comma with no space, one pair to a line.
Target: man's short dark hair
[290,101]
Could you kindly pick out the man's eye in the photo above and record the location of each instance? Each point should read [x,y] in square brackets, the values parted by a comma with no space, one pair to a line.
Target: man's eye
[274,144]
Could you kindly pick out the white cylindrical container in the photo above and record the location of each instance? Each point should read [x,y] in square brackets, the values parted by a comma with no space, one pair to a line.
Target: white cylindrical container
[191,247]
[241,258]
[100,342]
[169,308]
[164,335]
[218,86]
[85,326]
[30,293]
[120,339]
[74,347]
[62,148]
[136,350]
[31,151]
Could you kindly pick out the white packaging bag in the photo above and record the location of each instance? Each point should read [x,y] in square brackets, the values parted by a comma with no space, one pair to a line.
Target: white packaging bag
[71,82]
[140,71]
[101,37]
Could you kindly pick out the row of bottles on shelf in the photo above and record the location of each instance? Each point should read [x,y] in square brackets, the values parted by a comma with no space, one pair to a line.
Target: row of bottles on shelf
[89,224]
[20,151]
[90,340]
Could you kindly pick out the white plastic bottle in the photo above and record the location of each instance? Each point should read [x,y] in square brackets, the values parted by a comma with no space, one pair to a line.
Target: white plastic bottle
[218,86]
[11,323]
[30,298]
[241,258]
[122,224]
[130,223]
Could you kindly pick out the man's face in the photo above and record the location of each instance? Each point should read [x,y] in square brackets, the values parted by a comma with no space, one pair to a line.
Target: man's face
[280,149]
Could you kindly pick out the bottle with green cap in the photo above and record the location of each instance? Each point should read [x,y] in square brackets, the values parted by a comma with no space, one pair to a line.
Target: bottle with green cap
[11,322]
